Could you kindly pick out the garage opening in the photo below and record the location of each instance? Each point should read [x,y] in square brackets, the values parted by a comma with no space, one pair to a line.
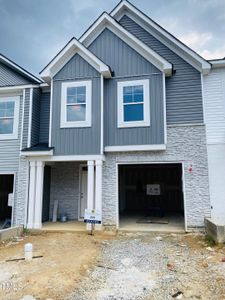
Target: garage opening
[6,200]
[151,197]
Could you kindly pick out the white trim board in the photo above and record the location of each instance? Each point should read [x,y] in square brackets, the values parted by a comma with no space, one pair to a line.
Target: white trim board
[30,117]
[73,47]
[106,21]
[67,158]
[126,8]
[132,148]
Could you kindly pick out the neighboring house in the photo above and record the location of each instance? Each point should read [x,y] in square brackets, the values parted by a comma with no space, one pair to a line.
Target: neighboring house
[17,88]
[214,99]
[119,126]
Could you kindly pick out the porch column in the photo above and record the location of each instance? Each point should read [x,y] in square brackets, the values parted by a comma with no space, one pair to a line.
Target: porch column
[90,188]
[98,189]
[31,199]
[39,195]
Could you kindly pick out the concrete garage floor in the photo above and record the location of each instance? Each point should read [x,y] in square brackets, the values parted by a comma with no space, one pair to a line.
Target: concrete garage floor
[129,223]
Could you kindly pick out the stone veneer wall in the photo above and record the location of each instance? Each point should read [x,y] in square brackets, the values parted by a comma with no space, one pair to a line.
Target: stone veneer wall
[20,193]
[185,144]
[65,188]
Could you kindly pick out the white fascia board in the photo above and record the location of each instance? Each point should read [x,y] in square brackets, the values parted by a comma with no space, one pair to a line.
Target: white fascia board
[67,53]
[106,21]
[177,46]
[17,88]
[55,158]
[217,63]
[36,153]
[18,68]
[132,148]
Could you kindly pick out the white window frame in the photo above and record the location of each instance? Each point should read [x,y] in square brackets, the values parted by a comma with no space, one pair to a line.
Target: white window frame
[73,124]
[120,105]
[14,134]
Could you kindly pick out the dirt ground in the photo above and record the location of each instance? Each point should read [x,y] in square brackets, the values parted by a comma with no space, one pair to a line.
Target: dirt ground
[66,256]
[123,267]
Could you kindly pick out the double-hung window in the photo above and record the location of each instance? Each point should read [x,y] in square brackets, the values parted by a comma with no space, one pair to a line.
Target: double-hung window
[133,103]
[9,117]
[76,104]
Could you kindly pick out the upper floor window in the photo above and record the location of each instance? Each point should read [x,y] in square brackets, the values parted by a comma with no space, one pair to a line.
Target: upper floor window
[76,104]
[133,103]
[9,117]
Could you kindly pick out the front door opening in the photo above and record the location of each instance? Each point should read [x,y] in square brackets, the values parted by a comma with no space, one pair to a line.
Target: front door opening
[151,197]
[6,199]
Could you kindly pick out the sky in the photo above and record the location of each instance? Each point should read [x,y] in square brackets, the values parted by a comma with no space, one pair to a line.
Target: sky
[33,31]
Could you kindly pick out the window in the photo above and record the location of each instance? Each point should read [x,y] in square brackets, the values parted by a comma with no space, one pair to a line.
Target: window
[133,103]
[9,117]
[76,104]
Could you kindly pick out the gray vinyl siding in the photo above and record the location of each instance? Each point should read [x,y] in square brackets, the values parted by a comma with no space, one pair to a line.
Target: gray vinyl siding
[26,118]
[44,118]
[10,149]
[75,141]
[35,127]
[127,64]
[122,59]
[9,77]
[183,89]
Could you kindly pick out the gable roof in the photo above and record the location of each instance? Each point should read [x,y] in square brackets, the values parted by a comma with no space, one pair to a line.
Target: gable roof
[71,48]
[19,69]
[106,21]
[126,8]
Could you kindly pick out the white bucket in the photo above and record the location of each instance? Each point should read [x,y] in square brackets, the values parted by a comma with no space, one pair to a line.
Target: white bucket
[28,251]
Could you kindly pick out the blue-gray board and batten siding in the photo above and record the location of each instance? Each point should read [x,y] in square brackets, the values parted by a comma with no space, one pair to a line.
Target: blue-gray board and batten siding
[127,64]
[70,141]
[36,108]
[183,89]
[9,77]
[44,117]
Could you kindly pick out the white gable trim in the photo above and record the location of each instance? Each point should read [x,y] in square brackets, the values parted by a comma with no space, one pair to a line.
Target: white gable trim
[173,44]
[73,47]
[18,68]
[106,21]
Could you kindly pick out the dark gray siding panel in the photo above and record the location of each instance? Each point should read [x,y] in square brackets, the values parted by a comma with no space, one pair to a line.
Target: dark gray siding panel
[10,77]
[183,89]
[121,58]
[26,118]
[140,135]
[77,67]
[35,117]
[44,118]
[75,141]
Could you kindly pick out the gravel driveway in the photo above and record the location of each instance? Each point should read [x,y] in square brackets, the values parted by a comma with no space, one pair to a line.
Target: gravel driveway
[148,266]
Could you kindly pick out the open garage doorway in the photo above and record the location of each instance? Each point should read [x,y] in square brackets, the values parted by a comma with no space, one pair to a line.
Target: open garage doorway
[6,199]
[151,197]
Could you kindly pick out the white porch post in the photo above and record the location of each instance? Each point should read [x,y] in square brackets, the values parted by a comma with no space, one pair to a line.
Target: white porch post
[31,199]
[98,188]
[39,195]
[90,187]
